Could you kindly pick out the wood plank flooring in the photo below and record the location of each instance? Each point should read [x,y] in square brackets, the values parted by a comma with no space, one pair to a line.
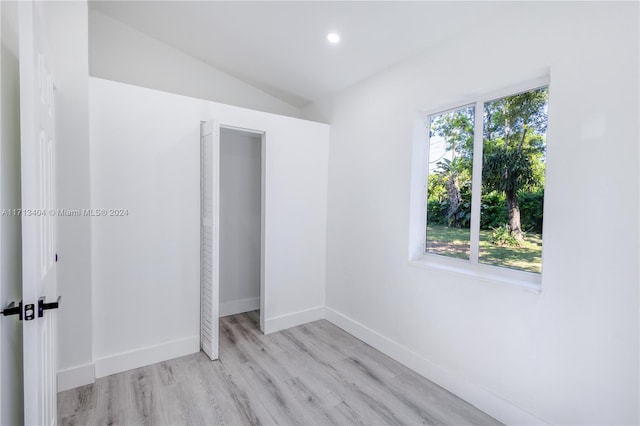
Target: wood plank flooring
[314,374]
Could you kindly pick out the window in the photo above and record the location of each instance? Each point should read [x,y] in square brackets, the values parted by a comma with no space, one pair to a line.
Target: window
[485,177]
[449,182]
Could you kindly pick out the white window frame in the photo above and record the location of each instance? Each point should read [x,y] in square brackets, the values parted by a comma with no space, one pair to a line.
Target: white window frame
[418,221]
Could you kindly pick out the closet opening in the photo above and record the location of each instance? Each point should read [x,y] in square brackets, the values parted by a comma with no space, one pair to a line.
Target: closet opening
[232,234]
[240,225]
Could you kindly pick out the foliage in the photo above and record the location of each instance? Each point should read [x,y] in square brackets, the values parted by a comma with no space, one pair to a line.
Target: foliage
[517,115]
[495,213]
[438,205]
[514,129]
[435,187]
[513,165]
[531,206]
[502,236]
[507,171]
[437,211]
[457,167]
[462,215]
[457,130]
[493,210]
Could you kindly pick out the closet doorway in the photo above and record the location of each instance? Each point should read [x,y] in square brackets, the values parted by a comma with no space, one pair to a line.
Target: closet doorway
[232,227]
[240,221]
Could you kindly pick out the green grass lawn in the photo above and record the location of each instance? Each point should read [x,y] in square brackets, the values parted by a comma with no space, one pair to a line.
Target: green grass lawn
[454,242]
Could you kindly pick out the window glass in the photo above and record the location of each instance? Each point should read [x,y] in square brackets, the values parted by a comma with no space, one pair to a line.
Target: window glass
[513,169]
[449,183]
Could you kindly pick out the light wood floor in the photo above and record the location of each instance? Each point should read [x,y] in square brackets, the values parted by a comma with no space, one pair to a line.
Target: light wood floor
[314,374]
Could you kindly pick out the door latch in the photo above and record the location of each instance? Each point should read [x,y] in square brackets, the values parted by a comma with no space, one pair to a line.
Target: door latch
[29,312]
[42,306]
[13,309]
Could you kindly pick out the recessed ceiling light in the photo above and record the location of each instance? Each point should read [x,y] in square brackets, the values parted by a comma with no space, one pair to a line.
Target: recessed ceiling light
[333,38]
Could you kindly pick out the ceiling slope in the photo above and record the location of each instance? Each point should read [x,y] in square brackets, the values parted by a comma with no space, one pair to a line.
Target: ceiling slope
[281,47]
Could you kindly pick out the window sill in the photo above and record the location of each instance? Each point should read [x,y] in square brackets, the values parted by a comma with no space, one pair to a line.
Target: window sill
[526,281]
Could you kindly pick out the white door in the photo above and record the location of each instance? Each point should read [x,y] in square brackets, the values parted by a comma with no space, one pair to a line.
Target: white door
[1,293]
[39,292]
[209,220]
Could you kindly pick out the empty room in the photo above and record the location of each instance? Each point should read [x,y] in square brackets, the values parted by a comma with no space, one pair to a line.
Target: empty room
[320,212]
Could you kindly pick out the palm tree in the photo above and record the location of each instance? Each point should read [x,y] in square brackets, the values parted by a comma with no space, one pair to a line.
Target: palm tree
[453,171]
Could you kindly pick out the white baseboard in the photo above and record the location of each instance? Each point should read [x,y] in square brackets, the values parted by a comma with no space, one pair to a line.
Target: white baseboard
[118,363]
[74,377]
[291,320]
[481,398]
[239,306]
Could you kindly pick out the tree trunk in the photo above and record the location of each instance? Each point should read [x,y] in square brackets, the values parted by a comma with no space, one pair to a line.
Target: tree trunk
[524,135]
[514,216]
[453,192]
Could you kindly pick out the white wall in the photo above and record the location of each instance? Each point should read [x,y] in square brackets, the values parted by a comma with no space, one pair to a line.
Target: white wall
[10,229]
[240,217]
[67,32]
[568,355]
[145,158]
[121,53]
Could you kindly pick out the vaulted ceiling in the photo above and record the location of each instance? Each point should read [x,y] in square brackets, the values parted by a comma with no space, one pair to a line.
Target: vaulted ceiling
[281,47]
